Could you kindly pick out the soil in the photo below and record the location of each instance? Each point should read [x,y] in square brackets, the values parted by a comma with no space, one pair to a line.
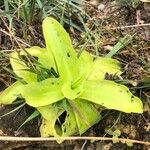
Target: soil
[135,59]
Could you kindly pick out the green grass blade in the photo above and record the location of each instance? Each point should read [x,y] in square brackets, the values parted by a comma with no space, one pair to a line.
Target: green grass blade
[122,43]
[32,116]
[6,5]
[12,111]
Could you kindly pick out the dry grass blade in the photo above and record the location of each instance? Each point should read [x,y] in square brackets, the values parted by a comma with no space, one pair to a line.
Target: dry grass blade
[129,26]
[11,138]
[12,111]
[17,38]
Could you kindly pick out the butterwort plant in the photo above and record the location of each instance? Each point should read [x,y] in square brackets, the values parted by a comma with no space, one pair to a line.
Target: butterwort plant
[68,89]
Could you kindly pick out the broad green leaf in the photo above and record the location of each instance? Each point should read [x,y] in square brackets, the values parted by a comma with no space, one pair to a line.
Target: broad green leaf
[85,65]
[42,93]
[44,58]
[59,45]
[48,127]
[11,93]
[52,125]
[20,68]
[69,127]
[75,121]
[112,96]
[103,65]
[50,114]
[86,114]
[71,93]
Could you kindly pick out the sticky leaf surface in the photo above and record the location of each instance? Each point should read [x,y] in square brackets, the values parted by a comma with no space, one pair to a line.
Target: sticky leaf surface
[11,93]
[112,96]
[103,65]
[42,93]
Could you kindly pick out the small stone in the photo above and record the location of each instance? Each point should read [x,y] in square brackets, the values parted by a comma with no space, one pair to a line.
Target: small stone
[101,7]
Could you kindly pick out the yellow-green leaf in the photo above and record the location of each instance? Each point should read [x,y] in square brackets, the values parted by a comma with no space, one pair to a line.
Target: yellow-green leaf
[71,93]
[103,65]
[52,125]
[50,114]
[85,64]
[86,114]
[58,44]
[20,68]
[42,93]
[44,58]
[69,127]
[11,93]
[112,96]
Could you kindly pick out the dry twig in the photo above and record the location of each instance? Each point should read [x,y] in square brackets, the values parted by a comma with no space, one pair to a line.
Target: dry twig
[130,26]
[10,138]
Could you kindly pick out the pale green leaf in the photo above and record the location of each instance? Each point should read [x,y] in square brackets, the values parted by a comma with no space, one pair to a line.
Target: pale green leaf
[44,58]
[50,114]
[58,44]
[76,120]
[71,93]
[11,93]
[69,127]
[42,93]
[52,125]
[20,68]
[85,65]
[103,65]
[86,114]
[112,96]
